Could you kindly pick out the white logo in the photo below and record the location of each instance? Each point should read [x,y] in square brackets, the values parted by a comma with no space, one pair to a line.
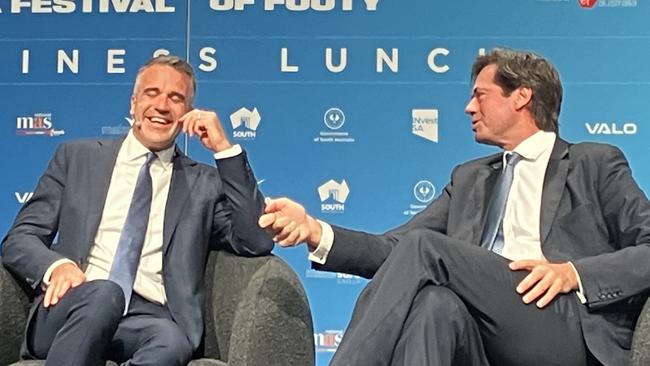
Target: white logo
[245,123]
[40,124]
[424,191]
[23,197]
[334,118]
[601,128]
[336,194]
[118,129]
[328,340]
[425,123]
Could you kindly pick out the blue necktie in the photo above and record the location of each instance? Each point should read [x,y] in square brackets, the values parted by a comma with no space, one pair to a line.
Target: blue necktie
[492,237]
[129,247]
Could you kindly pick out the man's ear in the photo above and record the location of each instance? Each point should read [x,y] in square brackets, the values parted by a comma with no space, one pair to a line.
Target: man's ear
[132,108]
[523,96]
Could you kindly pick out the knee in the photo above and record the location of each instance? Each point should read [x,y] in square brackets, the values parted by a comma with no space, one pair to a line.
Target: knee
[105,298]
[440,302]
[172,346]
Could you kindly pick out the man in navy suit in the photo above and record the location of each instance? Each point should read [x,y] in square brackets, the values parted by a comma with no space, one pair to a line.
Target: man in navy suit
[86,311]
[557,275]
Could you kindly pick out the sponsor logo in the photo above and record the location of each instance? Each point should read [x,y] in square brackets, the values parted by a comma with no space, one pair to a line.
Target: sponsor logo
[339,278]
[118,129]
[334,119]
[40,124]
[244,123]
[424,191]
[588,4]
[425,123]
[333,196]
[328,340]
[604,128]
[23,197]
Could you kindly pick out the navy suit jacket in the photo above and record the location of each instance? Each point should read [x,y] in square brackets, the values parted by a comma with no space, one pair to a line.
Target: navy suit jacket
[593,213]
[207,208]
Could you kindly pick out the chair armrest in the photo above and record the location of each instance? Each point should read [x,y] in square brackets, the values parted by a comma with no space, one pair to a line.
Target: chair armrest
[641,340]
[260,311]
[14,306]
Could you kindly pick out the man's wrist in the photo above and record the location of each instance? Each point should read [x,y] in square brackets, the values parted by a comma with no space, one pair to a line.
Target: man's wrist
[316,232]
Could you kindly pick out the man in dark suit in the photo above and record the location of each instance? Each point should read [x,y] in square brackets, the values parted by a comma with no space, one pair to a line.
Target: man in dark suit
[534,256]
[135,220]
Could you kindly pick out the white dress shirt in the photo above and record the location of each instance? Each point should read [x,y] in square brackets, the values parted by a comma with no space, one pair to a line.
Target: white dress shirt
[132,155]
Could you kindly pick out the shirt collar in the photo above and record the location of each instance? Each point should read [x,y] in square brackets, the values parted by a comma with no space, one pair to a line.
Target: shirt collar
[132,149]
[534,146]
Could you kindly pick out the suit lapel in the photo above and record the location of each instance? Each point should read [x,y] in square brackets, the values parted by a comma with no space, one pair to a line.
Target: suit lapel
[184,176]
[554,183]
[100,166]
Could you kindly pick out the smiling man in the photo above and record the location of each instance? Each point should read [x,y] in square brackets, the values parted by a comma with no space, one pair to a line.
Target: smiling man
[537,255]
[135,220]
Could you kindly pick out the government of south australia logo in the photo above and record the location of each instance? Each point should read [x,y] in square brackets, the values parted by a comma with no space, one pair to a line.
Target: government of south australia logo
[424,123]
[40,124]
[334,119]
[244,123]
[424,191]
[333,196]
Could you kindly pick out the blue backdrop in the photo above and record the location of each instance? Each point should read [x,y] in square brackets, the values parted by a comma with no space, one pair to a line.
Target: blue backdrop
[363,98]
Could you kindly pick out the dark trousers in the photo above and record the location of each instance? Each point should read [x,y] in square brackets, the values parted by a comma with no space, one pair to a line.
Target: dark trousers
[86,328]
[439,301]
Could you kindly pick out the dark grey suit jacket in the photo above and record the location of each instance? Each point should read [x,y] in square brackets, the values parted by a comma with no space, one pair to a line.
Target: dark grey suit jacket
[593,214]
[207,208]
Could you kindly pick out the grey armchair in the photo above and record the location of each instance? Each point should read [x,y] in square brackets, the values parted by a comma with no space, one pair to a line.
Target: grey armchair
[258,316]
[641,341]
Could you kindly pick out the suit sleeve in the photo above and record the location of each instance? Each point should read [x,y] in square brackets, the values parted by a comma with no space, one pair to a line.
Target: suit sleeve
[235,218]
[25,248]
[623,271]
[362,254]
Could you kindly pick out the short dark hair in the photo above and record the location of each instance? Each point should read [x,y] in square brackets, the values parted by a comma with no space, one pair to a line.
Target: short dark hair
[177,63]
[526,69]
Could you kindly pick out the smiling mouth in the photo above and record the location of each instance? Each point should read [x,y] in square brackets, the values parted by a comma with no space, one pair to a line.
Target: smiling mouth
[159,120]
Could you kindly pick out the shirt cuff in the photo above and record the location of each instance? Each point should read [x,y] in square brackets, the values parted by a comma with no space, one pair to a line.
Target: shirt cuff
[319,255]
[581,290]
[50,269]
[233,151]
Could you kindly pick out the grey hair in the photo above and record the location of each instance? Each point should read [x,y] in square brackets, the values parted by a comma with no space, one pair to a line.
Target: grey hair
[175,62]
[517,69]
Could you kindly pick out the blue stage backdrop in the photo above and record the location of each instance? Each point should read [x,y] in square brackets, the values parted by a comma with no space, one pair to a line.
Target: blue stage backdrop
[353,107]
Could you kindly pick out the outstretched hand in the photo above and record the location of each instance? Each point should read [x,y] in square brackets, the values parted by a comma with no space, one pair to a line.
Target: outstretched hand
[289,224]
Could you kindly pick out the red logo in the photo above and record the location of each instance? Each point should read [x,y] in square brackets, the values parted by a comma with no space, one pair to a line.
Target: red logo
[587,3]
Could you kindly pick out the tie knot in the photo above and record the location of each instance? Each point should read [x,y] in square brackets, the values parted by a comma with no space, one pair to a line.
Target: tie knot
[150,158]
[513,158]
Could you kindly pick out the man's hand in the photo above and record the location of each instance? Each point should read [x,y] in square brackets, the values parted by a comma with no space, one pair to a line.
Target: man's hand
[545,280]
[207,127]
[64,277]
[289,224]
